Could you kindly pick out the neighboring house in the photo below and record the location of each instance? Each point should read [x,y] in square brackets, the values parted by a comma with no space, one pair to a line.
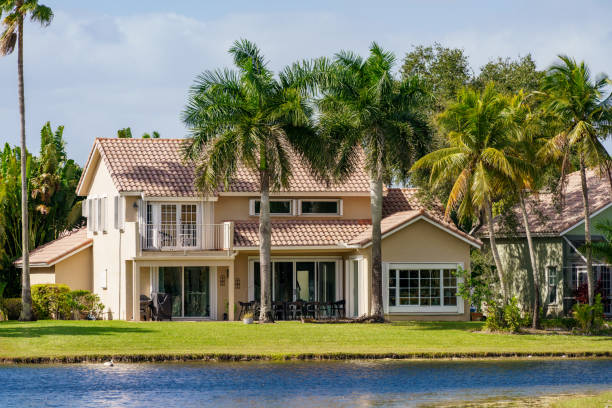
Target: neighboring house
[153,232]
[67,260]
[558,236]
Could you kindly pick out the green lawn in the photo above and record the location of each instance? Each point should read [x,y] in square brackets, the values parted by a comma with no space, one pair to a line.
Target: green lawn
[602,400]
[86,338]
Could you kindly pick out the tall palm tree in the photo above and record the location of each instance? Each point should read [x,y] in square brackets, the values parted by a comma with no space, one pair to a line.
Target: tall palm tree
[527,136]
[476,161]
[364,107]
[585,115]
[249,117]
[14,12]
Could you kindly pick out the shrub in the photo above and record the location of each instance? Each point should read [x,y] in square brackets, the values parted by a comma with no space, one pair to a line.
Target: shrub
[512,316]
[589,318]
[12,307]
[495,317]
[51,301]
[84,303]
[567,323]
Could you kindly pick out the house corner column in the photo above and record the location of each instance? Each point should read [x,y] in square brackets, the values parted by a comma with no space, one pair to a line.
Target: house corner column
[231,292]
[136,292]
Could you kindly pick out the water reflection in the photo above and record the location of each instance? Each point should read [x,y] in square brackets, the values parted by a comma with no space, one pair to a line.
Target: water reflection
[296,384]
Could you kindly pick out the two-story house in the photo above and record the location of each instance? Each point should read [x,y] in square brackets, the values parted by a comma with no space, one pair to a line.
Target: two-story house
[149,230]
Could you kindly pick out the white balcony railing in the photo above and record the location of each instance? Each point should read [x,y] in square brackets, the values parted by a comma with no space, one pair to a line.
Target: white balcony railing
[179,237]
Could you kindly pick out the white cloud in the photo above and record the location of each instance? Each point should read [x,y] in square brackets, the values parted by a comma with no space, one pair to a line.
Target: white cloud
[97,73]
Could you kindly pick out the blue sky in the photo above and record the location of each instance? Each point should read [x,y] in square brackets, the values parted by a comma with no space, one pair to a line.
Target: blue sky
[105,65]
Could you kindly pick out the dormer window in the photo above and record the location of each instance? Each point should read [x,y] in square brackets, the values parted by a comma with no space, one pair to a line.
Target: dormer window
[277,207]
[320,207]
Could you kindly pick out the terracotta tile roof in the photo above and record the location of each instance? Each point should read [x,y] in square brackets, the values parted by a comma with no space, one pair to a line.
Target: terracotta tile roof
[547,218]
[300,232]
[156,168]
[399,207]
[397,219]
[49,253]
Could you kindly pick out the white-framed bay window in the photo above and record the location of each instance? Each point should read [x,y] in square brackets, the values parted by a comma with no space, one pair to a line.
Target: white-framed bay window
[421,288]
[172,225]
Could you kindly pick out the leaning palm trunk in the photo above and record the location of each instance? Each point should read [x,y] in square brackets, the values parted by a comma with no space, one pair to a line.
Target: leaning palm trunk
[26,294]
[498,264]
[376,199]
[265,244]
[587,232]
[535,277]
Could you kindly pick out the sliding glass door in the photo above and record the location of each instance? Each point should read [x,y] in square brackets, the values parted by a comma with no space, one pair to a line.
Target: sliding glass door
[189,287]
[303,280]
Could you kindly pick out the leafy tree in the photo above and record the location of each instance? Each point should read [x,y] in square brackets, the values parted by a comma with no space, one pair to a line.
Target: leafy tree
[125,133]
[475,161]
[510,76]
[585,118]
[53,208]
[13,13]
[364,108]
[248,117]
[152,135]
[445,70]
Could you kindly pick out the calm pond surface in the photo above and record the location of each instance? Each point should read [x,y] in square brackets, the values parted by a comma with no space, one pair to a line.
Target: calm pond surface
[296,384]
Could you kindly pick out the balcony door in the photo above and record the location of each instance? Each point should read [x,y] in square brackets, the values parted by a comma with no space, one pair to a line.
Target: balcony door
[172,225]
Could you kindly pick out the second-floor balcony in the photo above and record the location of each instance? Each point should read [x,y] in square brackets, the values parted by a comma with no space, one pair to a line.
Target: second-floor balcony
[186,236]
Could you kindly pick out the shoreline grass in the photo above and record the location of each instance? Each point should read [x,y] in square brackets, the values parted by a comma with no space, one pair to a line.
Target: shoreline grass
[86,341]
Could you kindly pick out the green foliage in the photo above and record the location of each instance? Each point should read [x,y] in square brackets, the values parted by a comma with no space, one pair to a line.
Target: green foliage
[603,249]
[51,301]
[53,206]
[510,76]
[589,317]
[566,323]
[445,70]
[495,317]
[12,307]
[152,135]
[125,133]
[475,287]
[85,303]
[10,13]
[512,316]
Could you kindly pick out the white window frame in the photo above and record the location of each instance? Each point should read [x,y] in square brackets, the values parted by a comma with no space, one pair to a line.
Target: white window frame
[291,212]
[442,309]
[325,200]
[548,284]
[156,213]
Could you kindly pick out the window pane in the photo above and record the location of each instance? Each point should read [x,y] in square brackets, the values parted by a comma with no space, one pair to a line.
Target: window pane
[276,207]
[450,288]
[170,282]
[188,225]
[167,230]
[391,297]
[319,207]
[256,281]
[305,281]
[283,281]
[327,281]
[197,295]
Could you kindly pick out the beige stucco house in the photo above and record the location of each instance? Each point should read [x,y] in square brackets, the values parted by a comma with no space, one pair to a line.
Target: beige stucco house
[151,231]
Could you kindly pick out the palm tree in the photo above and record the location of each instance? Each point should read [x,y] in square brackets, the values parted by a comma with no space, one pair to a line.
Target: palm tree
[364,107]
[585,115]
[476,160]
[526,138]
[248,117]
[14,12]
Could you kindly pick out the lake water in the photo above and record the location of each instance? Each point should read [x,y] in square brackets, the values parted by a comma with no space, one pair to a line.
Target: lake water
[295,384]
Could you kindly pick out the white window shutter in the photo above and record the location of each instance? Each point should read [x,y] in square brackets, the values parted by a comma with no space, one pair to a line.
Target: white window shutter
[103,217]
[90,214]
[116,212]
[97,214]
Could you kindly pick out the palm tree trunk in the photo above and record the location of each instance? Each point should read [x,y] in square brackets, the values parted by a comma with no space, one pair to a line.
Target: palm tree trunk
[26,294]
[587,232]
[496,258]
[535,278]
[265,243]
[376,202]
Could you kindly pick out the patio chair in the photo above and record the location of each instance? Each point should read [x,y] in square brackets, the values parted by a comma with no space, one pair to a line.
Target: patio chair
[278,310]
[161,306]
[311,309]
[145,307]
[294,310]
[339,309]
[324,310]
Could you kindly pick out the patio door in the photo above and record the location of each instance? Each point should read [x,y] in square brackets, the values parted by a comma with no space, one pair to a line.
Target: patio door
[189,287]
[305,281]
[283,281]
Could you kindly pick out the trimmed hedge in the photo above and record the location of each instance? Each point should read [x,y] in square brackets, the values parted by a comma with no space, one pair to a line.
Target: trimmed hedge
[12,307]
[57,301]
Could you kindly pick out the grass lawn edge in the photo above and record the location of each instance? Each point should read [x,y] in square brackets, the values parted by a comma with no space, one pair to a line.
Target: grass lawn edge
[237,357]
